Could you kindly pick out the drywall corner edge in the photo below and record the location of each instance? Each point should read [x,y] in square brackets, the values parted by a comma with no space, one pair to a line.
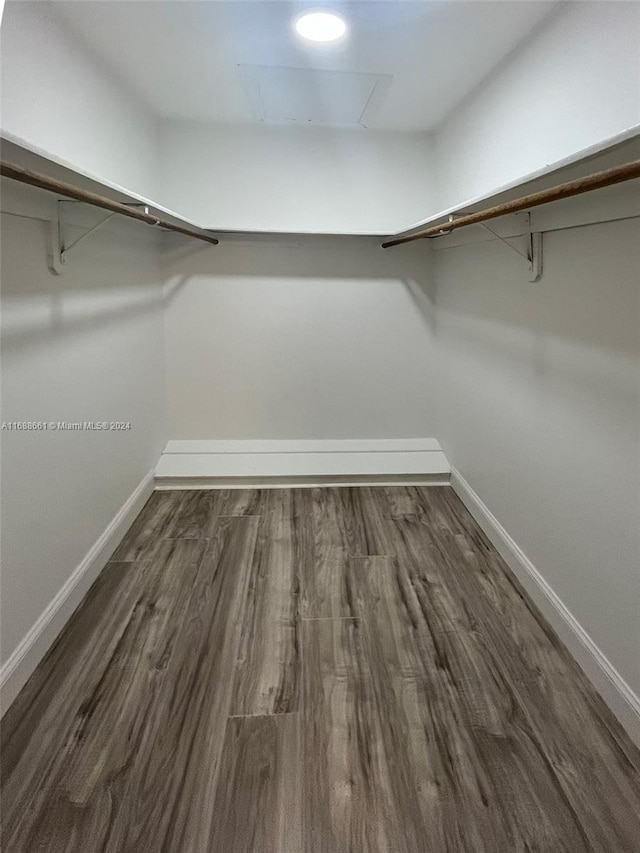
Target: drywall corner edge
[613,689]
[42,634]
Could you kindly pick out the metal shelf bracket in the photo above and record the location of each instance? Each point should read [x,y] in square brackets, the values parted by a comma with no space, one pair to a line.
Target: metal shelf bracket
[60,248]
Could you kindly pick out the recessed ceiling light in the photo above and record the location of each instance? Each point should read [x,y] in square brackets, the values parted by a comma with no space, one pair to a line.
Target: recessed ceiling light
[321,26]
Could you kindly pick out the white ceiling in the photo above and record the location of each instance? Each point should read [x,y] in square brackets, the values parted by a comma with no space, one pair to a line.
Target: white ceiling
[403,66]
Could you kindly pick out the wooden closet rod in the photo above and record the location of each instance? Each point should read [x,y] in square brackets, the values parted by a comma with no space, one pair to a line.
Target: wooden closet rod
[35,179]
[581,185]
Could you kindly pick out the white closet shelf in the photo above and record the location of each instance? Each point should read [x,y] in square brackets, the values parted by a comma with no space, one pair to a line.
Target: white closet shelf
[611,152]
[621,148]
[20,152]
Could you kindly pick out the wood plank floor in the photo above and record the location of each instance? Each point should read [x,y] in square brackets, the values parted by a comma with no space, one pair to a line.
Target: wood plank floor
[344,670]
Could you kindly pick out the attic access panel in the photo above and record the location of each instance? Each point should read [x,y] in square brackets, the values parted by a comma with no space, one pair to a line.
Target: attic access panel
[282,95]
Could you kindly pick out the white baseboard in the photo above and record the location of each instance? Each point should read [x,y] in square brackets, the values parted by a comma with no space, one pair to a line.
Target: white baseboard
[620,698]
[281,463]
[35,644]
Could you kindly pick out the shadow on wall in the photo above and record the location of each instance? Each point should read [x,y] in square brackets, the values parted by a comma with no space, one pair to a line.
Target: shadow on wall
[303,257]
[422,290]
[566,347]
[577,300]
[299,337]
[300,257]
[111,280]
[294,256]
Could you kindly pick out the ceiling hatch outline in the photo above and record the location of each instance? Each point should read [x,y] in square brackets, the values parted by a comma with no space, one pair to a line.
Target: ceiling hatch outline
[281,94]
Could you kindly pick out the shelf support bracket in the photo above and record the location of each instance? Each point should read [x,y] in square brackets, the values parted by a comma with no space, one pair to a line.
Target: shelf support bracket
[533,247]
[534,252]
[59,247]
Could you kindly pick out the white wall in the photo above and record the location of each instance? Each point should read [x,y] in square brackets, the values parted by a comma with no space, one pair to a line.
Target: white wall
[87,345]
[315,338]
[539,409]
[60,99]
[295,179]
[573,84]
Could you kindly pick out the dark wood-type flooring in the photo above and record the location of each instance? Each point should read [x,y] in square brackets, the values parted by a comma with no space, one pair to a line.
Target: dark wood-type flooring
[346,670]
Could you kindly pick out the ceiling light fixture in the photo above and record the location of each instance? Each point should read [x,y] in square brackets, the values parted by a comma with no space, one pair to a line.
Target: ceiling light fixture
[321,26]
